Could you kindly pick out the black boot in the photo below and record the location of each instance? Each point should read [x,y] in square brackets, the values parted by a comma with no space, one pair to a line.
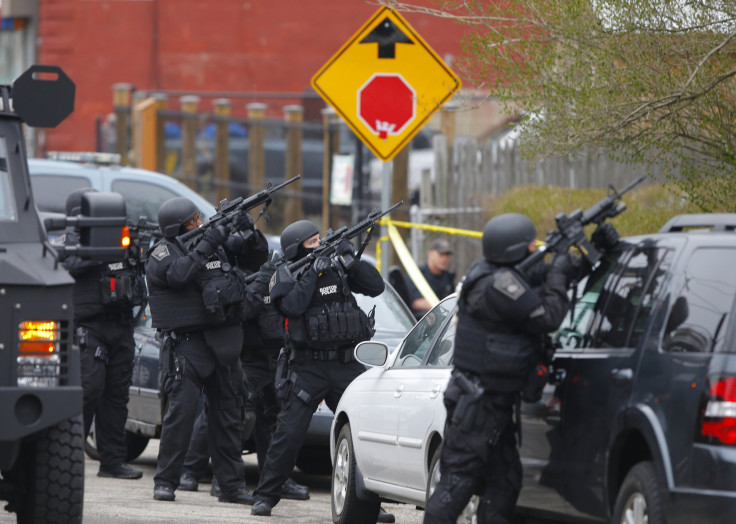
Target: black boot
[261,507]
[188,482]
[291,490]
[122,471]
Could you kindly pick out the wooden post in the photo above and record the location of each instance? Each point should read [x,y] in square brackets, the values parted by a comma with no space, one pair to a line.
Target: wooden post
[294,116]
[327,116]
[189,106]
[121,100]
[256,153]
[144,116]
[136,129]
[161,102]
[222,149]
[399,184]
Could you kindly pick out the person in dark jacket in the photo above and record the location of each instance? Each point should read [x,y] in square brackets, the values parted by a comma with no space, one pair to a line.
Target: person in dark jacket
[105,294]
[323,323]
[198,301]
[263,337]
[502,318]
[436,274]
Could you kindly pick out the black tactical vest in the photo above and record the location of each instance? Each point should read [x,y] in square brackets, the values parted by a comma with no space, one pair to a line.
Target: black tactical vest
[493,304]
[333,319]
[266,333]
[214,298]
[113,288]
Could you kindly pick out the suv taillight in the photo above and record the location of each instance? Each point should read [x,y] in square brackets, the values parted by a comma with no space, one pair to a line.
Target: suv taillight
[719,419]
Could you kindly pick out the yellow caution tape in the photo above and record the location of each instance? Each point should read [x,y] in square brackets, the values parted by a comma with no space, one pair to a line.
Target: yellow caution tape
[411,266]
[428,227]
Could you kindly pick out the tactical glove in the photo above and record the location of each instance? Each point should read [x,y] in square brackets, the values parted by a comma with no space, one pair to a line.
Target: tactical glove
[243,222]
[321,264]
[605,237]
[563,264]
[215,236]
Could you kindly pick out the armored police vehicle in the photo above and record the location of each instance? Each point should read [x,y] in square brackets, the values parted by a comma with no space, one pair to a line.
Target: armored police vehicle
[41,440]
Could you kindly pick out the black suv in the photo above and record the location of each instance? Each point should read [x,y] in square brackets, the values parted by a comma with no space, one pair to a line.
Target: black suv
[641,419]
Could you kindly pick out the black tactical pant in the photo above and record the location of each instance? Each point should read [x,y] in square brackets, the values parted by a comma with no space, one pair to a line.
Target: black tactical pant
[316,380]
[200,371]
[479,456]
[106,384]
[198,455]
[260,373]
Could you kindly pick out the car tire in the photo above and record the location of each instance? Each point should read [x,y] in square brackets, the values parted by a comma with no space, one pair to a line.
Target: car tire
[470,513]
[314,461]
[52,469]
[135,445]
[640,498]
[347,508]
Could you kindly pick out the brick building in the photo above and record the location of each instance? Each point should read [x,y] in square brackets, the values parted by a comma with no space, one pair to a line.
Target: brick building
[224,46]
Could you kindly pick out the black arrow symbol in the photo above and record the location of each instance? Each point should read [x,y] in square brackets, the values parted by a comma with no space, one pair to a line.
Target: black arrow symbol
[387,35]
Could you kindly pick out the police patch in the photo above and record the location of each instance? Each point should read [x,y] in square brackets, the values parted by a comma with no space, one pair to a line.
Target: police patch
[508,284]
[160,252]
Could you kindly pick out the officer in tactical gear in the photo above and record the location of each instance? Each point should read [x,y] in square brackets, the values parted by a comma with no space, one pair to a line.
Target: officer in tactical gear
[323,325]
[104,297]
[263,337]
[198,301]
[502,318]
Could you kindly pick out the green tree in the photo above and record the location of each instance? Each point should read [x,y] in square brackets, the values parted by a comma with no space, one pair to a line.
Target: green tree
[650,81]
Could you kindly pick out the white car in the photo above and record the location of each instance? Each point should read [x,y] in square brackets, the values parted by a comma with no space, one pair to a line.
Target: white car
[387,431]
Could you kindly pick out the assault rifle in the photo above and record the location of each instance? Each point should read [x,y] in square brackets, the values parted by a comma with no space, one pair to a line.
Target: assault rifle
[570,228]
[142,235]
[328,245]
[230,210]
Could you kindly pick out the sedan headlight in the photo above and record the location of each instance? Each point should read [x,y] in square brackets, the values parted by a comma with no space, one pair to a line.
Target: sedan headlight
[38,353]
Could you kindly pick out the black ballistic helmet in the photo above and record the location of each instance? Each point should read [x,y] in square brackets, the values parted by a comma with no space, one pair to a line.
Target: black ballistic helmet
[74,200]
[173,213]
[294,234]
[506,238]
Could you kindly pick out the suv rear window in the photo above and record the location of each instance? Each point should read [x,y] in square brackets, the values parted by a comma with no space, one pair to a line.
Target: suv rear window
[47,188]
[631,290]
[699,315]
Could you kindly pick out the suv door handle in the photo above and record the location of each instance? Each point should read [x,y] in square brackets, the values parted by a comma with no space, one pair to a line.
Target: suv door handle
[622,377]
[398,391]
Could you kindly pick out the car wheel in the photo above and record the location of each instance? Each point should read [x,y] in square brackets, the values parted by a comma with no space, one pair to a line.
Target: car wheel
[135,445]
[640,499]
[314,461]
[347,508]
[470,513]
[52,471]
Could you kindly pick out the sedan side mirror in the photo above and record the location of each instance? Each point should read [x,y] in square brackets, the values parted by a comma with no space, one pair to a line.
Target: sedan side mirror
[371,353]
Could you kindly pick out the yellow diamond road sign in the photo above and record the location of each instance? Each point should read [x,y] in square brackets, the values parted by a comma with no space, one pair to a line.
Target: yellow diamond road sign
[386,83]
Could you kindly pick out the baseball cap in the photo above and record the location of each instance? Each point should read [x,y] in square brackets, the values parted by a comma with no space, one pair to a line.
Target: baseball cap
[441,246]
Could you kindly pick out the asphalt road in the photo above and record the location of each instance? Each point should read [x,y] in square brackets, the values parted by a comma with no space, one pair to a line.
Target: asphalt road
[117,501]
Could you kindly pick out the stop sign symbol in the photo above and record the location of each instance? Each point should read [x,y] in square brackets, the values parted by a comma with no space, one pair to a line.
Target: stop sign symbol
[386,104]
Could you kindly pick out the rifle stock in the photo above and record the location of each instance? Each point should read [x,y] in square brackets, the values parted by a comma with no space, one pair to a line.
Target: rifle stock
[570,230]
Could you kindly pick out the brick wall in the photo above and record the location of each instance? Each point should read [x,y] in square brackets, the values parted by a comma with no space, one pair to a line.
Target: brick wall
[223,45]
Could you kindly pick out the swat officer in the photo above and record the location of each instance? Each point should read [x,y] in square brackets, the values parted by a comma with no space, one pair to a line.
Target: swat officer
[501,321]
[104,297]
[324,324]
[198,300]
[263,337]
